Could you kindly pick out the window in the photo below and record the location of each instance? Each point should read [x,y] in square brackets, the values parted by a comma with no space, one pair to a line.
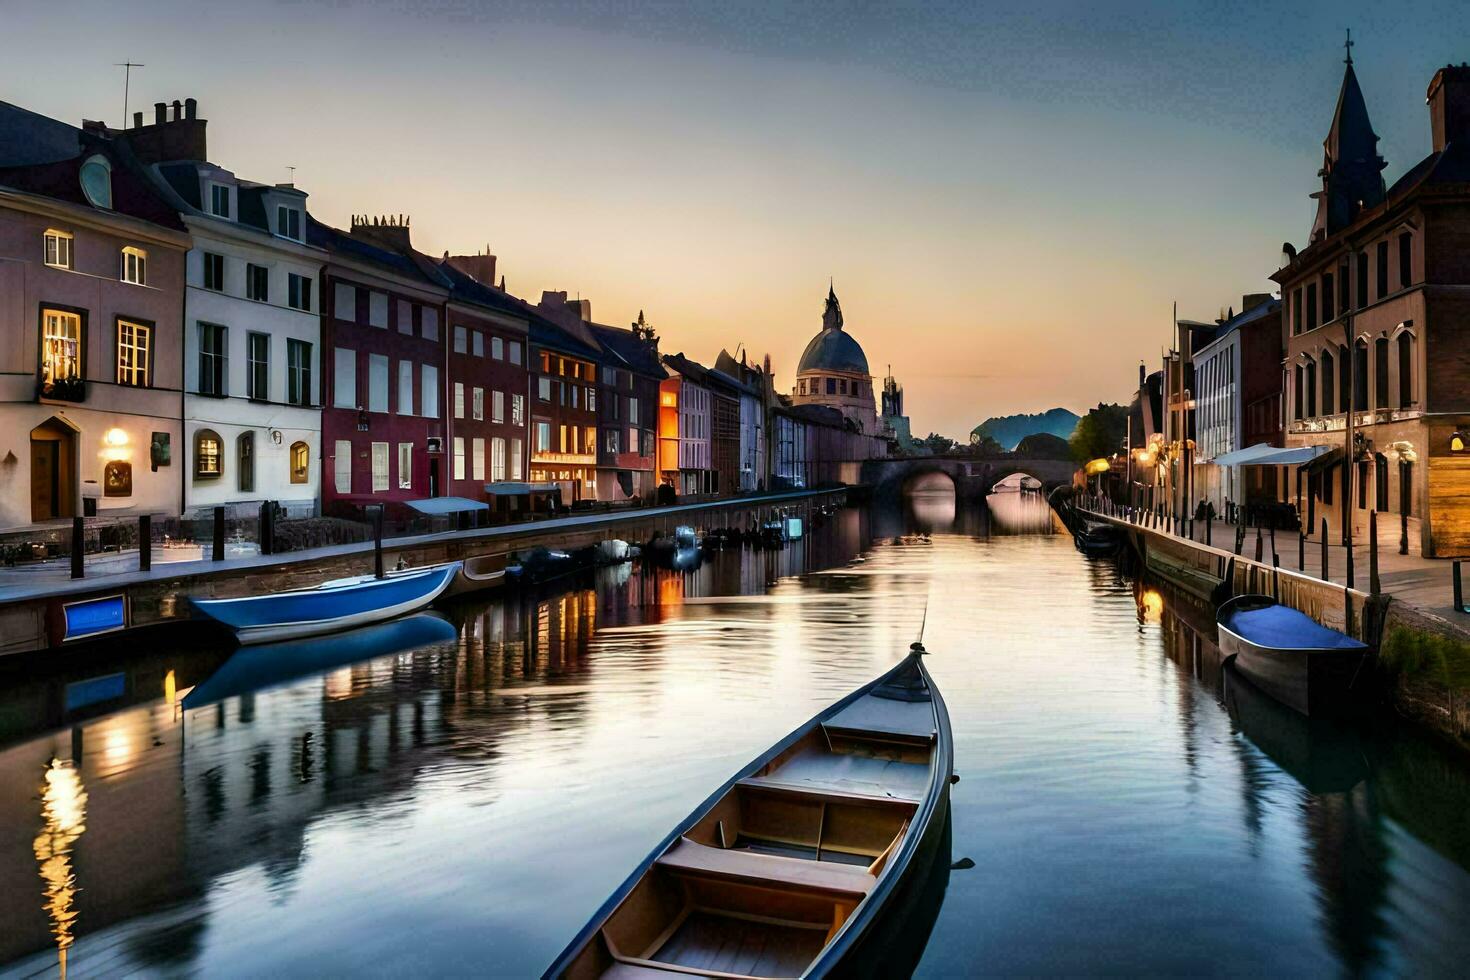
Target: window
[543,389]
[1344,297]
[405,317]
[133,343]
[477,404]
[135,266]
[1406,261]
[477,459]
[1329,398]
[298,372]
[214,271]
[58,246]
[300,462]
[207,460]
[1382,269]
[497,458]
[429,381]
[1328,313]
[405,466]
[589,441]
[461,339]
[1380,373]
[1362,289]
[258,366]
[459,400]
[405,387]
[380,467]
[831,386]
[497,348]
[288,222]
[515,459]
[219,200]
[377,383]
[61,347]
[214,375]
[245,461]
[515,352]
[344,302]
[543,437]
[497,406]
[298,292]
[342,466]
[1360,377]
[518,410]
[477,343]
[378,310]
[96,179]
[1312,306]
[430,317]
[1406,370]
[344,378]
[1311,390]
[632,411]
[459,457]
[632,440]
[591,399]
[611,442]
[1296,310]
[1300,399]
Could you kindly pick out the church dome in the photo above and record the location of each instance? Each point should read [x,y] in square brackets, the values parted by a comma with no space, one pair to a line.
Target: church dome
[833,349]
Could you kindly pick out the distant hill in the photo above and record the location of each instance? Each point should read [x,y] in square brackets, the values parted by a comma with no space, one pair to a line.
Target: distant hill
[1009,430]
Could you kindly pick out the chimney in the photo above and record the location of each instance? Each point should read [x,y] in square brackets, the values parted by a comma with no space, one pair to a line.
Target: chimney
[179,138]
[1449,105]
[480,268]
[581,309]
[137,120]
[190,106]
[178,110]
[160,113]
[1252,300]
[390,230]
[1142,376]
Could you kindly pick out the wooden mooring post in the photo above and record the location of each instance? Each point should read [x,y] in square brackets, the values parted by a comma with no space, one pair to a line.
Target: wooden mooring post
[219,534]
[78,548]
[1348,543]
[1373,585]
[1301,551]
[145,542]
[1459,591]
[1325,576]
[1260,545]
[378,542]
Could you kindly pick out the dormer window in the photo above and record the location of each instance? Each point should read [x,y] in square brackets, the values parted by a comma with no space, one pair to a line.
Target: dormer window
[58,249]
[135,266]
[288,222]
[219,200]
[96,180]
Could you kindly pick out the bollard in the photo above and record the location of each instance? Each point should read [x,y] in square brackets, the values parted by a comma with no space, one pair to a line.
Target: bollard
[219,534]
[378,542]
[1373,585]
[267,525]
[1347,597]
[1239,539]
[1349,544]
[1325,576]
[1260,549]
[1191,529]
[1209,527]
[145,542]
[1301,551]
[1273,537]
[1275,576]
[1403,531]
[78,544]
[1459,593]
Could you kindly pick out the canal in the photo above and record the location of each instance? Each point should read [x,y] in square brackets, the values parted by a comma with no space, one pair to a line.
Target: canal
[462,799]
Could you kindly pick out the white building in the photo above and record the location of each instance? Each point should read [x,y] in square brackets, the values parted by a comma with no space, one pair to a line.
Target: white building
[1217,419]
[252,343]
[749,383]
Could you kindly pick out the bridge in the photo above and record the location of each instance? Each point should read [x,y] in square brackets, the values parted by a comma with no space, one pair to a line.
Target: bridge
[972,476]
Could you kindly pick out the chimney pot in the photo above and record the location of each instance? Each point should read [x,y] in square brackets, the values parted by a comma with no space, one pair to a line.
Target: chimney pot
[1449,106]
[160,113]
[137,120]
[178,110]
[191,106]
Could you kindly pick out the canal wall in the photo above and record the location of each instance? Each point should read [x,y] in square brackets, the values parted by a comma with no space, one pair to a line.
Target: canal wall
[32,619]
[1436,702]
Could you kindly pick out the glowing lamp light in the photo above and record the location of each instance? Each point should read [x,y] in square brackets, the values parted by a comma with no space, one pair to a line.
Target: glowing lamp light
[115,437]
[667,399]
[1151,606]
[1457,442]
[1097,466]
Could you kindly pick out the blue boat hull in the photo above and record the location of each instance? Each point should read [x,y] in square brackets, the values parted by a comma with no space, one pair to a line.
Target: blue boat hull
[328,608]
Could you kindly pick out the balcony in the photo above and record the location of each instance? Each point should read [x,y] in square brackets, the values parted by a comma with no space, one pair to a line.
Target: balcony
[632,461]
[575,459]
[1337,423]
[68,389]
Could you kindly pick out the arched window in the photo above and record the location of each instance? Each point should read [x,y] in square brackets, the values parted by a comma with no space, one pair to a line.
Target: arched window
[245,458]
[1360,376]
[300,462]
[1406,370]
[1311,385]
[1329,378]
[1380,373]
[207,462]
[96,177]
[1344,379]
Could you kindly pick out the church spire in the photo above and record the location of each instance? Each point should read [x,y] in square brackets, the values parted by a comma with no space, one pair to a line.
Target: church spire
[1352,170]
[832,315]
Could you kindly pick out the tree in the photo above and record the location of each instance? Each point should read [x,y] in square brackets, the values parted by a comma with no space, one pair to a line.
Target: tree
[1100,433]
[937,444]
[1044,445]
[984,445]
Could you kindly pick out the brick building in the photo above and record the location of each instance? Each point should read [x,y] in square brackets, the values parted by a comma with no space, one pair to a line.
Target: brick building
[627,458]
[563,398]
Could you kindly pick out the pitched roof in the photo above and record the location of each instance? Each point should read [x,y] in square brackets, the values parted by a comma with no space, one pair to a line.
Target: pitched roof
[1352,170]
[640,357]
[374,251]
[28,138]
[468,289]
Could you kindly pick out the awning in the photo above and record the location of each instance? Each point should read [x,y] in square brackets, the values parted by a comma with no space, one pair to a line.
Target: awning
[1240,456]
[515,488]
[447,505]
[1288,456]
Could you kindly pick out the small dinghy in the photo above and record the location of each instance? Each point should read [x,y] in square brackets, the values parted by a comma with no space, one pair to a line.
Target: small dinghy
[791,867]
[1292,657]
[478,574]
[614,551]
[1098,539]
[680,550]
[341,604]
[544,564]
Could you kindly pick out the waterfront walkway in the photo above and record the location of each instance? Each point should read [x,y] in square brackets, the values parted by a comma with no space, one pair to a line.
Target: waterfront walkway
[53,578]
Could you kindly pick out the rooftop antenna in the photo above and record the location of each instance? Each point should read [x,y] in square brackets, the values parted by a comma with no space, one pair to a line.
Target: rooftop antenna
[127,67]
[1348,47]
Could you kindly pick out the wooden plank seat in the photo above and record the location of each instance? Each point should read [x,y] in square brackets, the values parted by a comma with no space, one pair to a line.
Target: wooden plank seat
[815,770]
[752,866]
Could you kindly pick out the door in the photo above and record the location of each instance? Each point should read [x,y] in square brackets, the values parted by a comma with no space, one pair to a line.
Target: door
[45,490]
[433,476]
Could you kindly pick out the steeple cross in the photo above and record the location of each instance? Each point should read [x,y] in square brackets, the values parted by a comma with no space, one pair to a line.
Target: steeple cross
[1348,47]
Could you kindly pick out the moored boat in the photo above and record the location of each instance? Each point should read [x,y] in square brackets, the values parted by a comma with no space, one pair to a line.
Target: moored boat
[1098,539]
[328,608]
[1292,657]
[478,574]
[544,564]
[793,866]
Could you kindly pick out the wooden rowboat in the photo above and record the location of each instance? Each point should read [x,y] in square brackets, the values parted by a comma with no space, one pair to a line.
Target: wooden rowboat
[338,605]
[1292,657]
[791,867]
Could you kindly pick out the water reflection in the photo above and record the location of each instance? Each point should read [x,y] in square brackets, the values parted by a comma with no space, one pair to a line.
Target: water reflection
[468,796]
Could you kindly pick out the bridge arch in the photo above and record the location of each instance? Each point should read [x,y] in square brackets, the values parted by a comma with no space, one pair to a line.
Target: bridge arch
[973,477]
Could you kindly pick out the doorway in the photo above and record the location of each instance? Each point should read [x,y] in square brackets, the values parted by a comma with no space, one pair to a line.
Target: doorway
[53,471]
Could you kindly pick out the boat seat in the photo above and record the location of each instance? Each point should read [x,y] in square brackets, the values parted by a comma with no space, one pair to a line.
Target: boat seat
[908,721]
[688,856]
[862,777]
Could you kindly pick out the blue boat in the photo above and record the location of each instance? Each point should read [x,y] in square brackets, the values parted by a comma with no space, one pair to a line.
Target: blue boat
[338,605]
[275,664]
[1299,662]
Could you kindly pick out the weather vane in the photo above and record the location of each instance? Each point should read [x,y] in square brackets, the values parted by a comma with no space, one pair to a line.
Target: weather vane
[127,67]
[1348,47]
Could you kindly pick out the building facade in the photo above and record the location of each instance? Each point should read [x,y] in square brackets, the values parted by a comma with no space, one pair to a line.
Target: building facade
[833,371]
[749,384]
[384,432]
[689,426]
[1373,313]
[91,300]
[627,460]
[563,400]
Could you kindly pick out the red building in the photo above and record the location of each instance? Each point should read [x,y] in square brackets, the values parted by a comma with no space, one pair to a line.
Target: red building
[627,411]
[488,380]
[563,398]
[384,392]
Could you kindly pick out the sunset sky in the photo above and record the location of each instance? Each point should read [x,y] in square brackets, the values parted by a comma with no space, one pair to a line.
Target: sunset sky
[1009,197]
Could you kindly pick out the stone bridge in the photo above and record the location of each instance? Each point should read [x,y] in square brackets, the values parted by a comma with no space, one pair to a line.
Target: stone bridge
[972,476]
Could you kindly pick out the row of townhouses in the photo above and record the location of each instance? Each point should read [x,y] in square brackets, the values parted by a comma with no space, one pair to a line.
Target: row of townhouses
[1348,391]
[179,338]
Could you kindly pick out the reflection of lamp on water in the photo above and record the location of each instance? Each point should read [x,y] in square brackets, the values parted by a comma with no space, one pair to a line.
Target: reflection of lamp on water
[1151,606]
[63,815]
